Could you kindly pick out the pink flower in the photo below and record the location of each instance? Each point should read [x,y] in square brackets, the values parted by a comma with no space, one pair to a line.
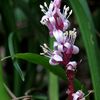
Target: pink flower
[65,44]
[65,40]
[55,56]
[53,18]
[71,65]
[64,48]
[79,95]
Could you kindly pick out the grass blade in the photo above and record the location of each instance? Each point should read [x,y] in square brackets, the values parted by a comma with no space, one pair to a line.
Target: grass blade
[11,49]
[53,87]
[53,81]
[89,38]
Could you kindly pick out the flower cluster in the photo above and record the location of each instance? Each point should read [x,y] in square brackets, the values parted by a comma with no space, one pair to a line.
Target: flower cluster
[63,46]
[58,24]
[53,18]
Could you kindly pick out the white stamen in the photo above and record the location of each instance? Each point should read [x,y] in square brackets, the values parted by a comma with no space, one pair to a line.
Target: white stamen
[69,14]
[64,7]
[74,29]
[74,34]
[41,7]
[46,50]
[66,33]
[45,45]
[51,6]
[66,10]
[42,53]
[71,35]
[44,11]
[45,4]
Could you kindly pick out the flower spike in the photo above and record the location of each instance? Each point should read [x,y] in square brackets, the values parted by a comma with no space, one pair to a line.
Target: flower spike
[63,47]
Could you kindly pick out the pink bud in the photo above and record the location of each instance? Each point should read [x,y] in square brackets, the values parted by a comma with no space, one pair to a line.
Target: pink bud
[75,49]
[57,3]
[71,65]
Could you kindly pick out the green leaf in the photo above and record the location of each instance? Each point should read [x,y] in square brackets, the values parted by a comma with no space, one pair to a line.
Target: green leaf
[11,49]
[84,19]
[57,70]
[37,59]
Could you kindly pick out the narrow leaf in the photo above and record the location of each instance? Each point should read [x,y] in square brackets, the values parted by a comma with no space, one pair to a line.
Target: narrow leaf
[53,81]
[84,19]
[37,59]
[11,49]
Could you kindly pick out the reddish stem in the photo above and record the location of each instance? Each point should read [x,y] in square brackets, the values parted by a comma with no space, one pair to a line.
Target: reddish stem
[70,76]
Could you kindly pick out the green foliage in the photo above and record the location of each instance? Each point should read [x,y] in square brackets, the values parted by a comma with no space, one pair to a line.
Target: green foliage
[89,38]
[11,49]
[3,93]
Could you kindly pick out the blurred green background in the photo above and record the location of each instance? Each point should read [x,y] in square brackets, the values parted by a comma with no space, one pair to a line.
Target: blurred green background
[21,32]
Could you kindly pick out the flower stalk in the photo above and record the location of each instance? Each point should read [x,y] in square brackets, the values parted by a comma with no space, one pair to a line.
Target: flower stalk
[70,91]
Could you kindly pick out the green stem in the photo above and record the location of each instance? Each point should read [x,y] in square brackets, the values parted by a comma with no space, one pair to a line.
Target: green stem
[53,87]
[53,82]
